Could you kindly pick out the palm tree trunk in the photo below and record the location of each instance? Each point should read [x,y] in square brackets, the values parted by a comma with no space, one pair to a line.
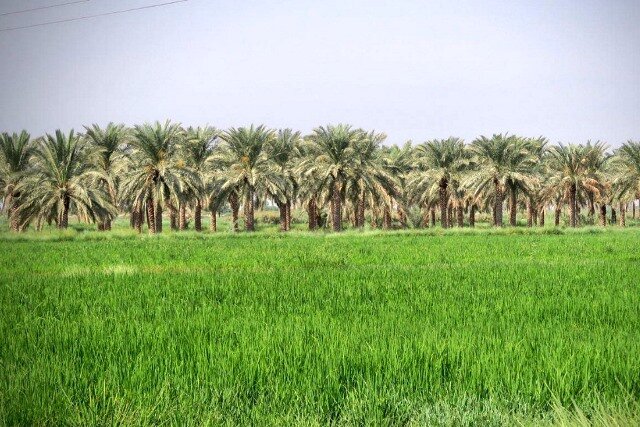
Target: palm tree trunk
[498,203]
[558,213]
[443,200]
[603,215]
[249,210]
[535,217]
[132,217]
[64,215]
[572,206]
[213,221]
[433,216]
[235,207]
[513,206]
[288,215]
[136,213]
[472,216]
[623,215]
[336,206]
[614,216]
[592,205]
[460,216]
[360,211]
[425,217]
[633,209]
[529,212]
[158,218]
[282,208]
[151,215]
[312,213]
[173,215]
[386,218]
[107,224]
[182,216]
[197,215]
[542,217]
[450,216]
[13,214]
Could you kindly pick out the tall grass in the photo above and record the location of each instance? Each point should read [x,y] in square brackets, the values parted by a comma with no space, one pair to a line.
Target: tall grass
[405,328]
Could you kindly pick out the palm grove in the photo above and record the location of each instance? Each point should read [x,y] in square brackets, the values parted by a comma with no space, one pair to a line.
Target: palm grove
[338,175]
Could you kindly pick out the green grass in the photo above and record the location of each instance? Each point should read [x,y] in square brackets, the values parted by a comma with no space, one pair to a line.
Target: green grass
[440,328]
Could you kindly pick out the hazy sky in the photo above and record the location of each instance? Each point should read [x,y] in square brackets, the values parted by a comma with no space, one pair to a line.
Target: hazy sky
[568,70]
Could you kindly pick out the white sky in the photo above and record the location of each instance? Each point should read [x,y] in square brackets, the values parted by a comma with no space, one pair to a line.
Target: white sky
[568,70]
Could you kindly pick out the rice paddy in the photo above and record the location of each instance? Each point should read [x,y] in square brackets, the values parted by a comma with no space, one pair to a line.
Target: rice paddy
[435,328]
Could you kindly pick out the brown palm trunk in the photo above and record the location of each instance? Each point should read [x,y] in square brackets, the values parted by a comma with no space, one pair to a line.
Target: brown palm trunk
[450,216]
[513,206]
[623,215]
[498,203]
[360,211]
[64,215]
[572,206]
[183,216]
[213,221]
[283,215]
[288,215]
[107,224]
[235,207]
[197,216]
[336,207]
[460,216]
[541,214]
[633,209]
[558,213]
[535,217]
[443,200]
[136,213]
[151,215]
[158,218]
[472,216]
[425,217]
[386,218]
[173,215]
[249,210]
[529,212]
[312,213]
[132,217]
[433,216]
[592,206]
[603,215]
[614,216]
[13,214]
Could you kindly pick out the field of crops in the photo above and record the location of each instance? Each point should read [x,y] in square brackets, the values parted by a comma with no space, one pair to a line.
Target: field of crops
[449,328]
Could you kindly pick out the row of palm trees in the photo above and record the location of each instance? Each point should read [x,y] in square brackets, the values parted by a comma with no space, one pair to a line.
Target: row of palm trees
[155,168]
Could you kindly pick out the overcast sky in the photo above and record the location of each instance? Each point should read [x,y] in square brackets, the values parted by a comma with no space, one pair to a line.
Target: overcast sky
[415,69]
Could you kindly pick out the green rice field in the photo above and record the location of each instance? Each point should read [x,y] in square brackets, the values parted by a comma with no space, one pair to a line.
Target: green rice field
[503,327]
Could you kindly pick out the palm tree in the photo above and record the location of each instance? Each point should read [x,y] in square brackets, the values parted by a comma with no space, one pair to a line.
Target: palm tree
[626,170]
[108,158]
[370,180]
[502,162]
[156,175]
[439,162]
[246,165]
[332,156]
[398,163]
[15,151]
[62,180]
[570,175]
[199,147]
[283,152]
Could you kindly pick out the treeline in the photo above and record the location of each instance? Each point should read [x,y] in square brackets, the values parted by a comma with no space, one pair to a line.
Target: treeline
[337,174]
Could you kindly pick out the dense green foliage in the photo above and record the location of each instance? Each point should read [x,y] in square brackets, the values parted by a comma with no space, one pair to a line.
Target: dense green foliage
[453,327]
[337,173]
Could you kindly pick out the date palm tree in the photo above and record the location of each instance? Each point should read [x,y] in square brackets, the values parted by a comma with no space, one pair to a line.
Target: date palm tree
[108,158]
[570,175]
[198,148]
[502,162]
[283,152]
[15,152]
[156,174]
[439,162]
[247,166]
[626,170]
[63,180]
[332,157]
